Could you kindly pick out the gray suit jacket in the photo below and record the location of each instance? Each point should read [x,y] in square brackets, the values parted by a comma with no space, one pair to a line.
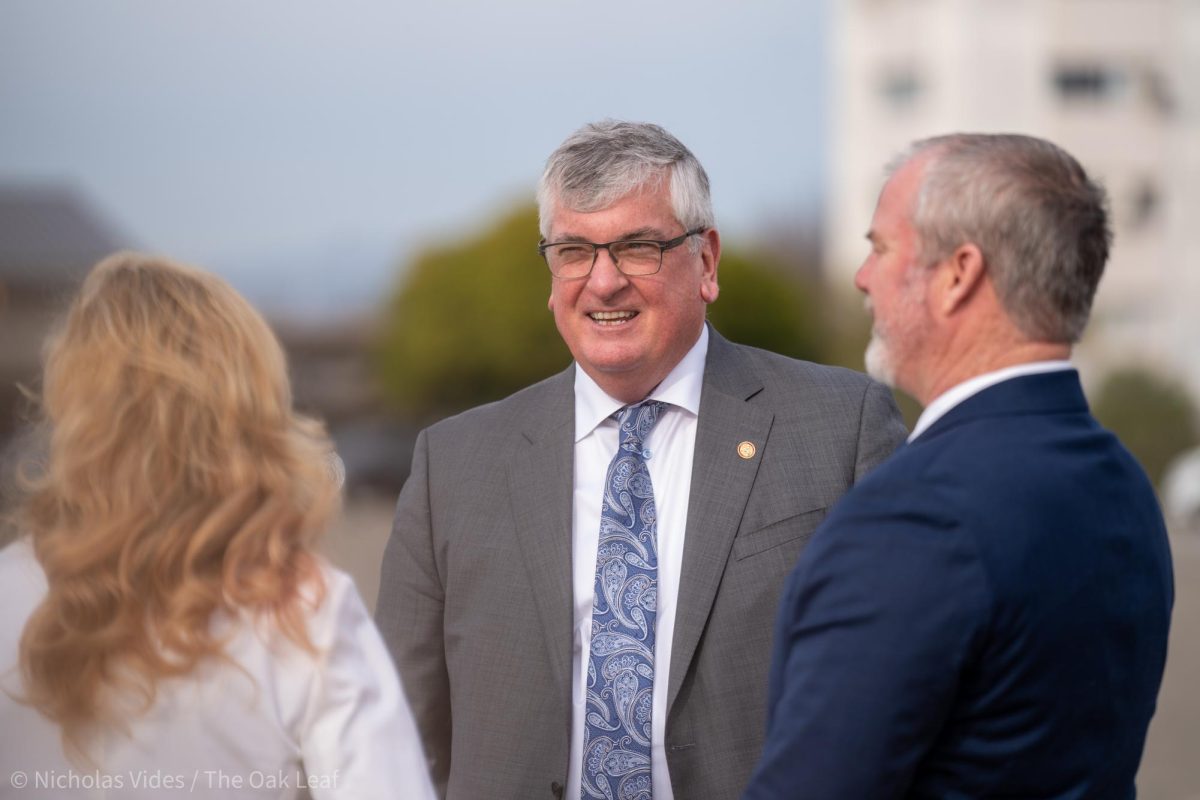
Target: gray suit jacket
[475,598]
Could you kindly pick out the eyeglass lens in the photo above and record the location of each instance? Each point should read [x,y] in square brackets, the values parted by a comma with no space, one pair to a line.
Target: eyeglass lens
[574,259]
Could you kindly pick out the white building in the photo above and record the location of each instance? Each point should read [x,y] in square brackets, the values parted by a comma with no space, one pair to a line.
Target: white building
[1115,82]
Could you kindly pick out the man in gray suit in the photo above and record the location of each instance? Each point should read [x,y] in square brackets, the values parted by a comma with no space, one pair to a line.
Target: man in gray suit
[582,578]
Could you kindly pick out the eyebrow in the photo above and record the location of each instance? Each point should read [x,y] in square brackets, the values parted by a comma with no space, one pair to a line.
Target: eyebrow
[644,233]
[638,233]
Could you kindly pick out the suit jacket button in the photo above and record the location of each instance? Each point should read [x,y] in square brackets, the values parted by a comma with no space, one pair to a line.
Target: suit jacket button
[557,789]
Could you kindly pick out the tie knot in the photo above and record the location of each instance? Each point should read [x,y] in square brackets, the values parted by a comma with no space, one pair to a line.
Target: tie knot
[637,421]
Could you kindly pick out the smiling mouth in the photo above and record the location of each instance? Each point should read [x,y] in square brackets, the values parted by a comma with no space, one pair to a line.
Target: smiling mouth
[609,318]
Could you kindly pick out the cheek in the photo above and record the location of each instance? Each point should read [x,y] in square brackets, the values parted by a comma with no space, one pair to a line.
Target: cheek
[562,297]
[562,304]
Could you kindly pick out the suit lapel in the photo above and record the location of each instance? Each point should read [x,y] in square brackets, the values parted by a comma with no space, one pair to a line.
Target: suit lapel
[721,483]
[1038,393]
[541,487]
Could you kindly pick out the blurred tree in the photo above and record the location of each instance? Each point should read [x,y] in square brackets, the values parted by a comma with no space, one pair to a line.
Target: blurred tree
[1153,416]
[759,306]
[469,322]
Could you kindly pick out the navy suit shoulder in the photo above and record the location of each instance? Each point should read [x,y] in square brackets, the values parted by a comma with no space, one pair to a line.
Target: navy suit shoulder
[983,615]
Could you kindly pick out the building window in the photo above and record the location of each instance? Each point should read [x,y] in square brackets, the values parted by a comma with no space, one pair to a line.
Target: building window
[1135,82]
[900,87]
[1144,204]
[1087,82]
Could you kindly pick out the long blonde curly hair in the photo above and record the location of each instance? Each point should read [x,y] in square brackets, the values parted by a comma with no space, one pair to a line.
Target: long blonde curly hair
[178,482]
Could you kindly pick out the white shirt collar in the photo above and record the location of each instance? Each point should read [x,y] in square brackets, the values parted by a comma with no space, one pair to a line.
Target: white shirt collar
[681,388]
[956,394]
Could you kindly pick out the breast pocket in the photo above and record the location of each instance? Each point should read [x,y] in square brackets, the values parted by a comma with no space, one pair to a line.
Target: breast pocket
[796,528]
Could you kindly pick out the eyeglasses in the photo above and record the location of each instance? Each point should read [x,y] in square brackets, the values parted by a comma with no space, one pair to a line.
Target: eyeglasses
[630,256]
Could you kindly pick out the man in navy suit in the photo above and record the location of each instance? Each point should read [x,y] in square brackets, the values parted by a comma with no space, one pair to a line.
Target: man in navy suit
[986,614]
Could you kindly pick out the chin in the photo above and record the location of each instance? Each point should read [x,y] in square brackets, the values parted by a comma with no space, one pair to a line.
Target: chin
[612,355]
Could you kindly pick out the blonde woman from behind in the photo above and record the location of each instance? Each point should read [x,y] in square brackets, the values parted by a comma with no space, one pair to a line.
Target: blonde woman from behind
[165,623]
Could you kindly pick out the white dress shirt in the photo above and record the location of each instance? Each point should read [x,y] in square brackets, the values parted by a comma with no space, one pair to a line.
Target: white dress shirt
[956,394]
[272,723]
[671,444]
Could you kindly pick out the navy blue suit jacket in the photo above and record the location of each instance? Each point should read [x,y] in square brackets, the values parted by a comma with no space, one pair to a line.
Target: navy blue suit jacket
[984,615]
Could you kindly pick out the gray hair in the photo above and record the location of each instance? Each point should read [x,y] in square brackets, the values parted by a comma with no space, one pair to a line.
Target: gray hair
[1039,220]
[604,161]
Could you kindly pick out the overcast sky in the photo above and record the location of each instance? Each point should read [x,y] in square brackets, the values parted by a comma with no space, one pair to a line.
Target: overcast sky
[267,137]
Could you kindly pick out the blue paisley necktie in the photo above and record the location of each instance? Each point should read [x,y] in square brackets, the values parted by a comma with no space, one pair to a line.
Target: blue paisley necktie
[620,679]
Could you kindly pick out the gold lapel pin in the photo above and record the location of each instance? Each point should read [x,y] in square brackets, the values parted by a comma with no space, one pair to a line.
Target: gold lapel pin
[746,450]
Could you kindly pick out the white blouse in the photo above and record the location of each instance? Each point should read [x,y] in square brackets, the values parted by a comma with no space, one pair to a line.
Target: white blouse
[279,722]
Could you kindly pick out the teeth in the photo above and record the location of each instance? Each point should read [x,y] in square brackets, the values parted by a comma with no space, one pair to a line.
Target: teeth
[612,317]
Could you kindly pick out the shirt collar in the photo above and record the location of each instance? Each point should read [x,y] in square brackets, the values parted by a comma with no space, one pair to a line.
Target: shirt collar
[957,394]
[681,388]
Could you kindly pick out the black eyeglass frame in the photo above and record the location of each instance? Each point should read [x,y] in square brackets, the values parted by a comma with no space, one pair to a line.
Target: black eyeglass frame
[663,247]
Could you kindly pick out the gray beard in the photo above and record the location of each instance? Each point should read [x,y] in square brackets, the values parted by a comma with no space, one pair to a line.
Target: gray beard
[879,361]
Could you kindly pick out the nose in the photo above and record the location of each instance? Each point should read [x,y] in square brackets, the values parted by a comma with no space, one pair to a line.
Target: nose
[860,277]
[605,279]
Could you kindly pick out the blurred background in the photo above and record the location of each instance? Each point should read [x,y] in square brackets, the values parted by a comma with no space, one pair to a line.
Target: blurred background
[364,173]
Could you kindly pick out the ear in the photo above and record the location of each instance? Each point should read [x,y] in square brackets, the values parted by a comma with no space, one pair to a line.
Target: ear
[710,255]
[959,278]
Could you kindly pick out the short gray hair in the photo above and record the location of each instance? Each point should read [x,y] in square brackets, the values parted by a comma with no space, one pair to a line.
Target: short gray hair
[1039,220]
[604,161]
